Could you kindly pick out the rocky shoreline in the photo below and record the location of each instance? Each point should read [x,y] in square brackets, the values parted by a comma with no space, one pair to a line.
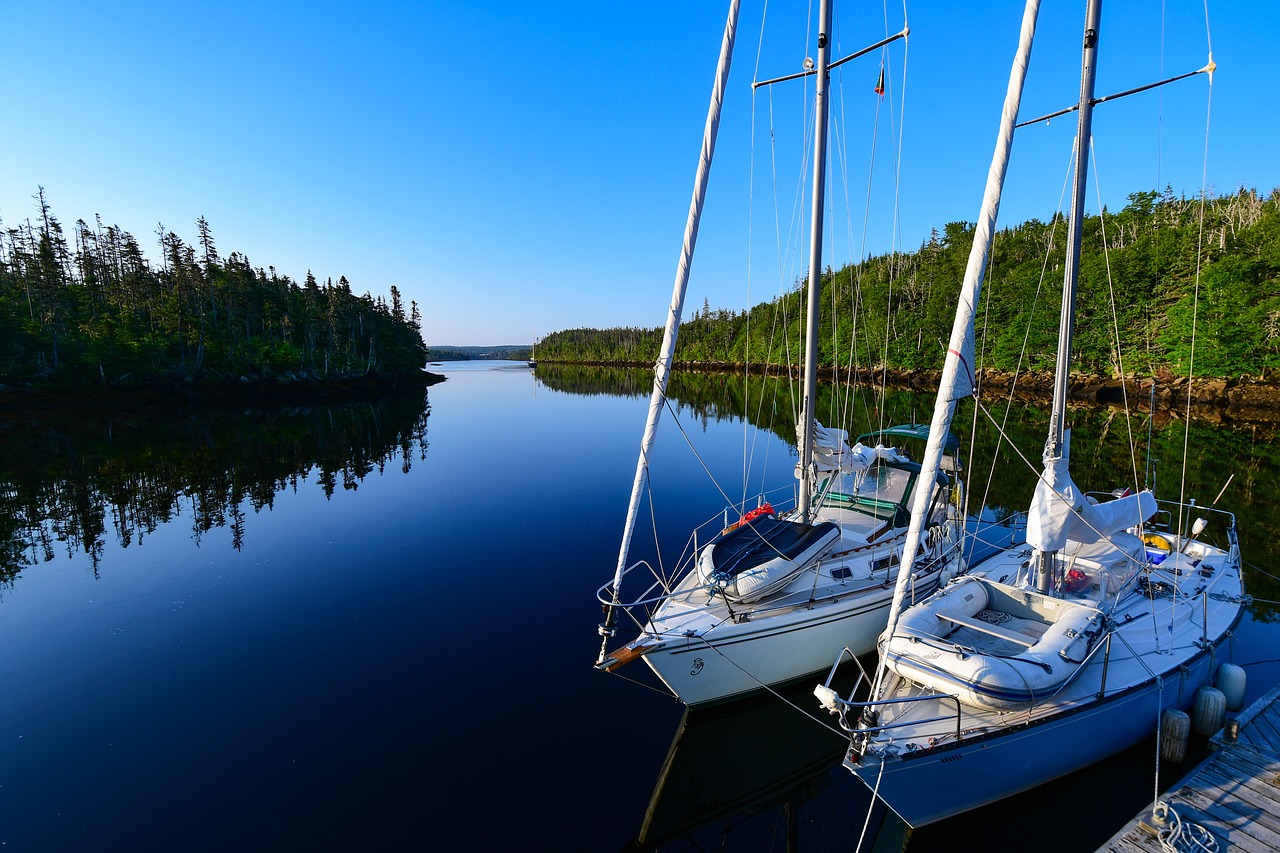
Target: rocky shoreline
[1243,399]
[1237,399]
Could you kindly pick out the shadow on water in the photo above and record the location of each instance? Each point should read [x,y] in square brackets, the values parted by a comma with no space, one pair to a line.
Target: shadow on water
[69,484]
[764,767]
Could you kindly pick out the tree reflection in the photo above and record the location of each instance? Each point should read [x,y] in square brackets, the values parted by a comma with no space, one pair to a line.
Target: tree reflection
[69,482]
[1002,443]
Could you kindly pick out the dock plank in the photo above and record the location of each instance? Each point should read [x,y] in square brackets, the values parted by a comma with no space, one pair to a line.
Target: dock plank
[1248,766]
[1239,830]
[1265,730]
[1134,841]
[1254,763]
[1234,793]
[1240,797]
[1245,799]
[1252,740]
[1263,706]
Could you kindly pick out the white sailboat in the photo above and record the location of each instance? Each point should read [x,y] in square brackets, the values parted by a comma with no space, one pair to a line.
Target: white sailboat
[767,598]
[1050,656]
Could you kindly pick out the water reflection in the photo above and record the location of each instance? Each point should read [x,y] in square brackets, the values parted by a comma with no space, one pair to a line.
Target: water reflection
[67,484]
[330,690]
[1234,466]
[743,771]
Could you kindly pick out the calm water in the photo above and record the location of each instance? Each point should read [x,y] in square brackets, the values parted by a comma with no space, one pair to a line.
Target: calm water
[371,627]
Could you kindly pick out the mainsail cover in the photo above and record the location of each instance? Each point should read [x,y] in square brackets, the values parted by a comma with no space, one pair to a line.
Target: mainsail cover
[1061,512]
[831,452]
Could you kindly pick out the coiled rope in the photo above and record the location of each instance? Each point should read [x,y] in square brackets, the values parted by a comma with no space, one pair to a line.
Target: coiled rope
[1179,836]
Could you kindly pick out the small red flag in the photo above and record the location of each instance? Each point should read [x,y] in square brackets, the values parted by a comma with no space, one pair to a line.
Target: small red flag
[880,82]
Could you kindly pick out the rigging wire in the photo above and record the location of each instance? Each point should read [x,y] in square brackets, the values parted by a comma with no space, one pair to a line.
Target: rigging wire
[1115,317]
[779,318]
[1123,387]
[895,233]
[981,359]
[771,690]
[1038,470]
[787,253]
[847,391]
[1195,306]
[1150,472]
[1195,299]
[748,446]
[875,793]
[785,256]
[843,391]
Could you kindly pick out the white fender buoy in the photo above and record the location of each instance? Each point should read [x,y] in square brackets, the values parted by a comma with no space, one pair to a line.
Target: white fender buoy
[1211,708]
[1175,726]
[1231,681]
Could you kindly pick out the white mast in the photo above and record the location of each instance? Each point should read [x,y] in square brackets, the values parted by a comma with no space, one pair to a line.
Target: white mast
[957,373]
[662,370]
[806,428]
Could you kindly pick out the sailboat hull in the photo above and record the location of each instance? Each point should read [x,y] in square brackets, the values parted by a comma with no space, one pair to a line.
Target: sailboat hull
[928,785]
[707,650]
[736,658]
[940,734]
[930,755]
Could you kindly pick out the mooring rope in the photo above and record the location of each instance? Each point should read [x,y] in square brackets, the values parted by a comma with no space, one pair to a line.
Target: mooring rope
[1179,836]
[875,793]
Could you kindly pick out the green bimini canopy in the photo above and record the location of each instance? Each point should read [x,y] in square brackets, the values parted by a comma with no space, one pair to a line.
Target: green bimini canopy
[920,432]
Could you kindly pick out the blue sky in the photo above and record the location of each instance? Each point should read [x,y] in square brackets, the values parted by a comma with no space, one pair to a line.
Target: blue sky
[520,168]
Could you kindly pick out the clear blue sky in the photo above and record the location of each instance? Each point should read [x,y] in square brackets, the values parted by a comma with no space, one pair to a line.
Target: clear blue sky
[519,168]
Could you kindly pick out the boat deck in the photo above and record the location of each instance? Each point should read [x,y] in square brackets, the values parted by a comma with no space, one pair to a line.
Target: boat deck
[1234,793]
[852,567]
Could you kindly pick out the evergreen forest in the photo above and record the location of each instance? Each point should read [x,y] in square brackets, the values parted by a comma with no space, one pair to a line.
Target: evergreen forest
[89,308]
[1150,274]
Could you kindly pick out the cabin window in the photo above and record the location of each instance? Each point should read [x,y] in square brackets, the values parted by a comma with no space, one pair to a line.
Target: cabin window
[881,492]
[886,484]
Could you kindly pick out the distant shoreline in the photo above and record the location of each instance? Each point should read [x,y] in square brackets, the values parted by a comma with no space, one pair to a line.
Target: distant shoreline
[33,400]
[1248,399]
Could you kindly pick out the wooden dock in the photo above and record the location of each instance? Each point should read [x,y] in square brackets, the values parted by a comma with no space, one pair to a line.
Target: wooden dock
[1234,793]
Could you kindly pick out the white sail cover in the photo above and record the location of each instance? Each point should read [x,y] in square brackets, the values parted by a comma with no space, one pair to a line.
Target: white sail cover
[1060,511]
[831,452]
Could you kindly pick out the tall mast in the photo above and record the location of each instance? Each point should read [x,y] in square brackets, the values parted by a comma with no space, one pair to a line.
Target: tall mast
[806,431]
[662,369]
[1054,448]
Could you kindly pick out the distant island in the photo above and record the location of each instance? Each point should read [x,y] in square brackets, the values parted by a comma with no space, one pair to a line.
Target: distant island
[502,352]
[89,314]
